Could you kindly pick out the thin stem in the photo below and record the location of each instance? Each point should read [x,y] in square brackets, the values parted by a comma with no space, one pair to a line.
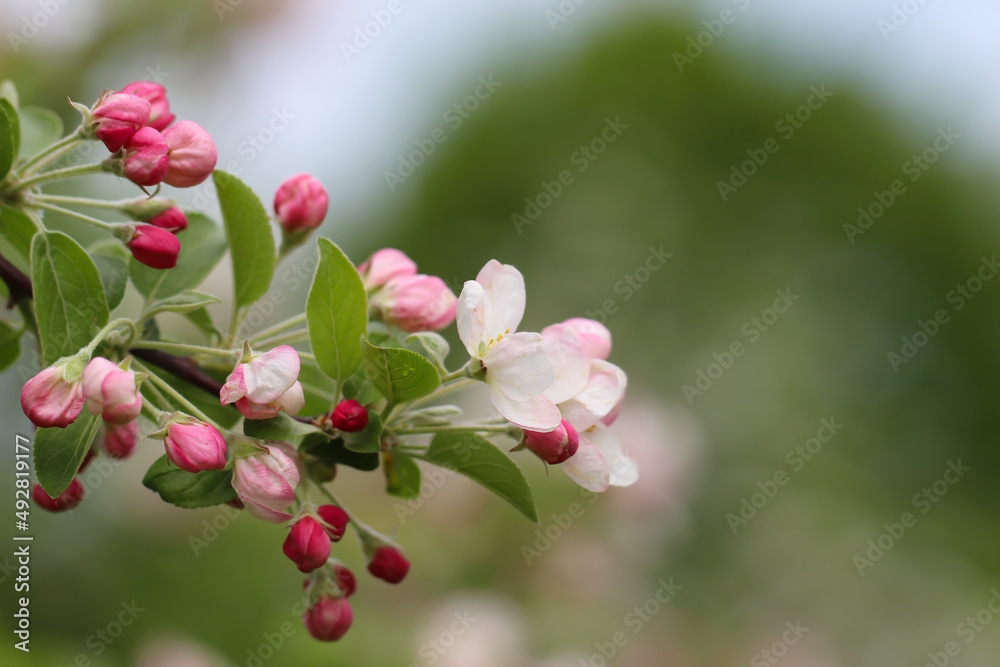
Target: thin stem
[106,226]
[289,338]
[151,388]
[443,390]
[484,428]
[149,407]
[460,373]
[185,349]
[103,333]
[50,153]
[81,201]
[176,395]
[278,328]
[60,174]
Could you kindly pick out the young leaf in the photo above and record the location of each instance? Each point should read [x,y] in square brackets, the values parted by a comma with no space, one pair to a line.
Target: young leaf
[203,244]
[368,440]
[402,476]
[189,489]
[60,451]
[15,241]
[400,375]
[39,128]
[431,345]
[10,136]
[183,302]
[285,429]
[337,311]
[250,241]
[201,318]
[69,299]
[359,388]
[334,452]
[114,276]
[481,461]
[10,344]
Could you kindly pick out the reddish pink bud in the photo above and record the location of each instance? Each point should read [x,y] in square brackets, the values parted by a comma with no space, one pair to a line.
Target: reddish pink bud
[588,337]
[416,303]
[194,446]
[336,520]
[159,116]
[192,154]
[384,265]
[111,391]
[329,619]
[307,544]
[266,482]
[117,117]
[389,564]
[172,220]
[146,161]
[350,417]
[67,500]
[300,203]
[556,446]
[49,400]
[120,441]
[345,579]
[154,247]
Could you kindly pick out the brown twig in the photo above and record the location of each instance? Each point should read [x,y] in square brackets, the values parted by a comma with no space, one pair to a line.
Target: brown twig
[17,281]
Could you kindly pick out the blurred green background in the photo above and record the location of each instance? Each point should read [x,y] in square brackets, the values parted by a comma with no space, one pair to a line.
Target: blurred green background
[565,72]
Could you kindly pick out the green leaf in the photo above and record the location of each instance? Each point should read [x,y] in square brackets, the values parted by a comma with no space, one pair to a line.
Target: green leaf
[40,128]
[368,440]
[189,489]
[10,136]
[359,388]
[334,452]
[318,389]
[402,476]
[400,375]
[203,244]
[60,451]
[10,344]
[183,302]
[337,311]
[114,276]
[481,461]
[285,429]
[201,318]
[431,345]
[250,239]
[16,232]
[69,298]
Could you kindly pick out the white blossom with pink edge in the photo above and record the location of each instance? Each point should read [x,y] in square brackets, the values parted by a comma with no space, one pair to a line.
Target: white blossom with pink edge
[266,482]
[265,384]
[516,368]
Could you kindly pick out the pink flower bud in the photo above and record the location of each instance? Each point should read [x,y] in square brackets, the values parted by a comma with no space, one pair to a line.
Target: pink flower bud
[416,303]
[111,391]
[389,564]
[350,417]
[115,118]
[335,520]
[556,446]
[589,337]
[385,264]
[146,161]
[307,544]
[154,247]
[345,579]
[67,500]
[300,203]
[329,619]
[192,154]
[120,441]
[49,400]
[172,220]
[159,116]
[194,446]
[266,482]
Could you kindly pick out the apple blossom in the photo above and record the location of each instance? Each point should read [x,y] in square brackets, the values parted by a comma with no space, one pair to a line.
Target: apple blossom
[120,440]
[329,619]
[388,564]
[415,303]
[111,391]
[349,416]
[346,581]
[307,544]
[154,247]
[193,445]
[514,365]
[67,500]
[300,203]
[116,117]
[384,265]
[266,481]
[556,446]
[589,337]
[146,162]
[263,385]
[172,220]
[192,154]
[159,116]
[50,399]
[600,461]
[335,520]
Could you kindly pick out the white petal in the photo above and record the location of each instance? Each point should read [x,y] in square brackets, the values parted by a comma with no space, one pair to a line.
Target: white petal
[605,388]
[293,400]
[505,298]
[271,374]
[588,467]
[624,470]
[571,368]
[537,413]
[235,387]
[469,316]
[519,367]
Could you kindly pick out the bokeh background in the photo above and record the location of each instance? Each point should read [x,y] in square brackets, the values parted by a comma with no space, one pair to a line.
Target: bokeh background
[275,85]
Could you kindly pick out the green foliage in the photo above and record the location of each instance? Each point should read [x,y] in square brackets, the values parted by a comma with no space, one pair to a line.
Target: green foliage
[15,241]
[337,312]
[183,302]
[251,243]
[186,489]
[399,375]
[10,344]
[60,451]
[10,136]
[367,439]
[39,128]
[402,476]
[203,244]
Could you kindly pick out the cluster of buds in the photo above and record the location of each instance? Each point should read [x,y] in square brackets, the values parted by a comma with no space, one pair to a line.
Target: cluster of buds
[401,297]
